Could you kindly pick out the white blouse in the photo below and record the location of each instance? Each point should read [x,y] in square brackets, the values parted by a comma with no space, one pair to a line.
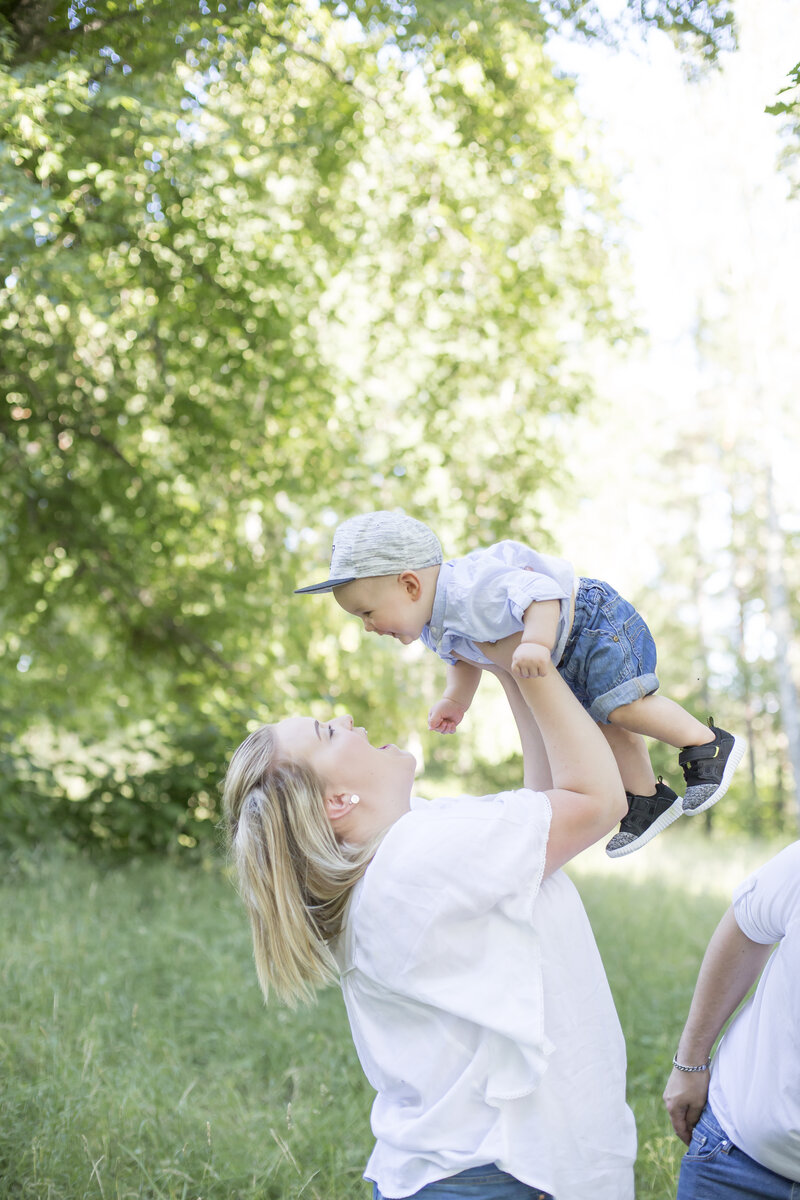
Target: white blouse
[480,1009]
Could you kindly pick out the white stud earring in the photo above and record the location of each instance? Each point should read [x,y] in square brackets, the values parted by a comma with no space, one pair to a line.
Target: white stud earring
[354,799]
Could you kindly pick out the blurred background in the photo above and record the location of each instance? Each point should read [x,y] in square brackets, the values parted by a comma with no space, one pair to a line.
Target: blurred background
[524,269]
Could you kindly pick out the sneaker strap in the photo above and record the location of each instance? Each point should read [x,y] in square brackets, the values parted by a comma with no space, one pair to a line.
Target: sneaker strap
[664,791]
[691,754]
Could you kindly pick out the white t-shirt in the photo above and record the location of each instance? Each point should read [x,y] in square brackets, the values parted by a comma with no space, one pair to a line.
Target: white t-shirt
[483,596]
[480,1010]
[755,1079]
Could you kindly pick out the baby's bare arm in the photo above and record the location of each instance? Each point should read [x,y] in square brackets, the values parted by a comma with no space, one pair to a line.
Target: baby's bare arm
[532,655]
[462,683]
[530,659]
[540,623]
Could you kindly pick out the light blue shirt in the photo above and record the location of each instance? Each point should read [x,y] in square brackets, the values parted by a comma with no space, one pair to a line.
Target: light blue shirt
[483,596]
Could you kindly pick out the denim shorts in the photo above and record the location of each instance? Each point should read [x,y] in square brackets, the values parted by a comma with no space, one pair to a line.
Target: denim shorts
[610,655]
[477,1183]
[713,1168]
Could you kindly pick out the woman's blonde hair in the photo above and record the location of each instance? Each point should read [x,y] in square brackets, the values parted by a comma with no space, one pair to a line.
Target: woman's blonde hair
[293,876]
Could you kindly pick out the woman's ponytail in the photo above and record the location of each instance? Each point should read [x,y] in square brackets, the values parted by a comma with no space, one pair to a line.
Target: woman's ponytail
[294,877]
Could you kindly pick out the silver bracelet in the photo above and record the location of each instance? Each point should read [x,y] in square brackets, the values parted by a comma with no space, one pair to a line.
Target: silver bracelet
[680,1067]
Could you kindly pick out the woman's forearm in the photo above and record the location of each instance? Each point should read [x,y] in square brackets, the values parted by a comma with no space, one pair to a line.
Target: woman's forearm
[536,766]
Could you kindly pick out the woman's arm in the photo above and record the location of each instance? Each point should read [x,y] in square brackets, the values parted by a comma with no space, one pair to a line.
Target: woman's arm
[536,767]
[587,797]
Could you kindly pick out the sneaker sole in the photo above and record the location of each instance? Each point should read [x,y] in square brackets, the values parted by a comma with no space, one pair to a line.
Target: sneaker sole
[734,758]
[669,815]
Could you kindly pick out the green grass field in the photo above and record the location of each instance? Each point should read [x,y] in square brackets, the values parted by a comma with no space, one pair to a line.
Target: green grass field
[138,1060]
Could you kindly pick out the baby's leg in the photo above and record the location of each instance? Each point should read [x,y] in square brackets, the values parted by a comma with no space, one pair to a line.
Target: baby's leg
[661,718]
[613,661]
[651,806]
[708,757]
[633,759]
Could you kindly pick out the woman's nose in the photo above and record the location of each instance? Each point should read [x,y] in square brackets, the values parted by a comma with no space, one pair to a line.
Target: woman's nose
[346,720]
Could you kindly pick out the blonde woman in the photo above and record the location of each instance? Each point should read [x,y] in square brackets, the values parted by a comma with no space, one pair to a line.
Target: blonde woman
[477,1001]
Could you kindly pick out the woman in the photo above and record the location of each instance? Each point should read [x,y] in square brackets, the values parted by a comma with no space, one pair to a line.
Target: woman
[476,997]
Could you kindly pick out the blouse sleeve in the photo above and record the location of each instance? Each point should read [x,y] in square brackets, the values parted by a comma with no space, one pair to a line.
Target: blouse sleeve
[444,922]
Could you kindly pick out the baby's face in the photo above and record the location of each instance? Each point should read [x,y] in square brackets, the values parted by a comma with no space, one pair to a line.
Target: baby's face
[390,605]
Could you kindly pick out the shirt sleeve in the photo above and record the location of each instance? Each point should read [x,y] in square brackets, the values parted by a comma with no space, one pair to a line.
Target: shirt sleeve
[769,900]
[444,922]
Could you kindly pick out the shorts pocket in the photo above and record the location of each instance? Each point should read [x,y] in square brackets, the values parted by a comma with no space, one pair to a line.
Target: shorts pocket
[639,643]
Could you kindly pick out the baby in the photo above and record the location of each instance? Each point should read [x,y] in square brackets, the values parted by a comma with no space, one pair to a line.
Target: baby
[510,607]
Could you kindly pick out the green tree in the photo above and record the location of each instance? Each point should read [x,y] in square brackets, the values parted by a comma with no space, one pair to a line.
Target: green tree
[264,267]
[787,106]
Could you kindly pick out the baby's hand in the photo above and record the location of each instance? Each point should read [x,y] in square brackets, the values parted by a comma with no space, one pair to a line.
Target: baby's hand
[445,715]
[529,660]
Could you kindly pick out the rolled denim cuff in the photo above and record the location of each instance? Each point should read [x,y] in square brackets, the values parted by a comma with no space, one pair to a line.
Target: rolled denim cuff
[624,693]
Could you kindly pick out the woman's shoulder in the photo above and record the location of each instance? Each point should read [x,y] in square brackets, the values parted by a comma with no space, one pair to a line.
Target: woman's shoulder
[462,841]
[448,818]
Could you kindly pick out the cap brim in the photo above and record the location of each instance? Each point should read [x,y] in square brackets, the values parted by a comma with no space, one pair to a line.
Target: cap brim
[327,586]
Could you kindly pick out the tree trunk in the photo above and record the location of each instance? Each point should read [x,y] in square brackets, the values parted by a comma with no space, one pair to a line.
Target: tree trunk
[781,622]
[755,822]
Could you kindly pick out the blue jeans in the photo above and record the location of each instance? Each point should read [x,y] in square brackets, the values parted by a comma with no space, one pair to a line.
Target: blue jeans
[477,1183]
[610,655]
[714,1169]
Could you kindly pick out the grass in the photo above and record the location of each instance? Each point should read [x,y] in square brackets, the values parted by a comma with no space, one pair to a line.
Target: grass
[138,1059]
[653,914]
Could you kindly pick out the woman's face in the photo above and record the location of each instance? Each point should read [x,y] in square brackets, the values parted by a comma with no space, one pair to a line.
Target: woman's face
[346,762]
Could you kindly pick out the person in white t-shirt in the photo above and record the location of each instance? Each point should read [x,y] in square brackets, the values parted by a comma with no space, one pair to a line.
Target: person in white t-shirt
[476,997]
[740,1114]
[509,606]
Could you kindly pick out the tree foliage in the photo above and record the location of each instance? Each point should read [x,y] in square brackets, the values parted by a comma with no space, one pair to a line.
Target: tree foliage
[787,106]
[264,266]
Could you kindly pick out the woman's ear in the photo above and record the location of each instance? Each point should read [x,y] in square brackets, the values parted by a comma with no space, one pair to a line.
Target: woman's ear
[339,805]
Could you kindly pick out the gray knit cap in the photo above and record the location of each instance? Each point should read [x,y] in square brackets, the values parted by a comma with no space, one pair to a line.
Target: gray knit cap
[378,543]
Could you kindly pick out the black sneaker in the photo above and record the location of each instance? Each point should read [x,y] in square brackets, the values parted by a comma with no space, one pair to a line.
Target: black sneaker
[708,769]
[647,816]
